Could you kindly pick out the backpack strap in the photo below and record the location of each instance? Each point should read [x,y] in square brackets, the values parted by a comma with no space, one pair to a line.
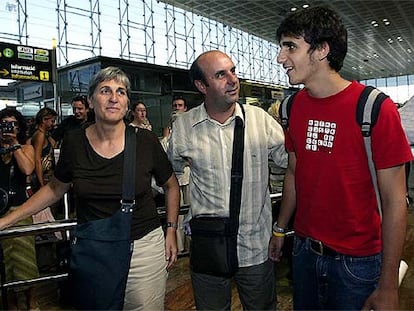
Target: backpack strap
[367,111]
[284,110]
[368,108]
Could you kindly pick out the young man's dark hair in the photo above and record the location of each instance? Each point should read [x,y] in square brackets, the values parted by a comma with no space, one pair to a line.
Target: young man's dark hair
[318,25]
[175,97]
[81,98]
[179,103]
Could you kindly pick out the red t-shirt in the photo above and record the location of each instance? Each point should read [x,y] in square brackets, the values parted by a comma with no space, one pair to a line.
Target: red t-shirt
[335,198]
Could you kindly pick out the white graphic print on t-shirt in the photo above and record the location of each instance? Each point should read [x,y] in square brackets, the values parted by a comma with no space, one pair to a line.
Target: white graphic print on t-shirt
[320,135]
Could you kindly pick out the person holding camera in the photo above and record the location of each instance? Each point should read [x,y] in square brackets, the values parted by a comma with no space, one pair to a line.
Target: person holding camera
[17,161]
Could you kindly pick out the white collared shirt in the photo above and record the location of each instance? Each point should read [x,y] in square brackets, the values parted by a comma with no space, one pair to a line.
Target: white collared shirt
[206,146]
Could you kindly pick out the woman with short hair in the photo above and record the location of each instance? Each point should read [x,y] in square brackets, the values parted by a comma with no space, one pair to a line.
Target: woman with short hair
[92,160]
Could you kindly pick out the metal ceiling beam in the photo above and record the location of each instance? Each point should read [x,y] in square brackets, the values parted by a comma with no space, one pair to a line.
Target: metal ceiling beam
[262,17]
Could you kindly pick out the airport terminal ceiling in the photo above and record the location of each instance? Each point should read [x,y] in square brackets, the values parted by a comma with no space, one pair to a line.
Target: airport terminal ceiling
[380,33]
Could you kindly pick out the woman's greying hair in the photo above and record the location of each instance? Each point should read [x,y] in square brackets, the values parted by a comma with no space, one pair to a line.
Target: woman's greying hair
[12,112]
[107,74]
[318,25]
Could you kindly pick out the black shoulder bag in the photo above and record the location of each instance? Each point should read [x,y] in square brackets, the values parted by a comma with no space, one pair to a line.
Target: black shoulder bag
[102,249]
[214,239]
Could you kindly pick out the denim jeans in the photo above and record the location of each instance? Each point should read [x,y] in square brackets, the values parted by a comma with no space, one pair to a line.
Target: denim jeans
[332,282]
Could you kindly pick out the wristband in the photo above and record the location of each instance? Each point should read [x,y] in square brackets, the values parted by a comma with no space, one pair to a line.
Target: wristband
[172,225]
[278,234]
[278,229]
[14,147]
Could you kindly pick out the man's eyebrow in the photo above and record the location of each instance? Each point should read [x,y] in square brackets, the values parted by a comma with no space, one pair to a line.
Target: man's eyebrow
[287,43]
[219,72]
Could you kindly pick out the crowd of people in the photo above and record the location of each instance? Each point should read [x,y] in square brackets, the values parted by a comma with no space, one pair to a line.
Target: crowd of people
[345,255]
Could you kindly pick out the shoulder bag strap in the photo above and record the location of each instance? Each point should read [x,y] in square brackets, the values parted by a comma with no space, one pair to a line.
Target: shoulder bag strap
[129,170]
[237,173]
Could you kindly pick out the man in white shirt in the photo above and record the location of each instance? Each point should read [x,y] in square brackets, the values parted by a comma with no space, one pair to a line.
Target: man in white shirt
[203,138]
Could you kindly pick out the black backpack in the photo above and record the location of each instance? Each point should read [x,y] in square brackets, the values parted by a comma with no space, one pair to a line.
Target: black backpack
[367,111]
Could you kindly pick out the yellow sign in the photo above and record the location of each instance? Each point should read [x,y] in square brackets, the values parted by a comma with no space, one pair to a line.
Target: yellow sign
[44,75]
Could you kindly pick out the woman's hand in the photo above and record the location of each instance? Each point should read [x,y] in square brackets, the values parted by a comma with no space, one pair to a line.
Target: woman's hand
[171,249]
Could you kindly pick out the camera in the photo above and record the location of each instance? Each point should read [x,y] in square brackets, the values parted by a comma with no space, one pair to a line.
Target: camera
[7,127]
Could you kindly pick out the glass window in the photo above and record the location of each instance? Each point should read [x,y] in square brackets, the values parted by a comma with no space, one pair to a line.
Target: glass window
[381,83]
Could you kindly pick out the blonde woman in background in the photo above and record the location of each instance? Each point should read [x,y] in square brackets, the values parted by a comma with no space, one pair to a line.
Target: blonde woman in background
[274,110]
[43,144]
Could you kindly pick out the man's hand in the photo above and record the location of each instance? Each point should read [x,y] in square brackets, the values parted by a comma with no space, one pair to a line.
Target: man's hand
[275,248]
[382,299]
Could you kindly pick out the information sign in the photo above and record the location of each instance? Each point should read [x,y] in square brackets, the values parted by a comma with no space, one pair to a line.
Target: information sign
[22,62]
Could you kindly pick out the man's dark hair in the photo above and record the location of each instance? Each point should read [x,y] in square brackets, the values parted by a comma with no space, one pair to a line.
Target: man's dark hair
[81,98]
[175,97]
[318,25]
[196,73]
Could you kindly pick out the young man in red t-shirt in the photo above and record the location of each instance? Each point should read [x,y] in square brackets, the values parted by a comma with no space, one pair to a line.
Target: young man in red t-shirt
[344,256]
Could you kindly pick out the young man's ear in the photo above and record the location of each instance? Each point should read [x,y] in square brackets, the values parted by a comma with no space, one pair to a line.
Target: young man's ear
[323,51]
[201,87]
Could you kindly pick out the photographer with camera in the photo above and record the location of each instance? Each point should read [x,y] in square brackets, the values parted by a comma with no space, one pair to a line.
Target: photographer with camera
[17,161]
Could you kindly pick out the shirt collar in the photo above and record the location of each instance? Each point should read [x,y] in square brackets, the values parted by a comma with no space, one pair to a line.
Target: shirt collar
[202,115]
